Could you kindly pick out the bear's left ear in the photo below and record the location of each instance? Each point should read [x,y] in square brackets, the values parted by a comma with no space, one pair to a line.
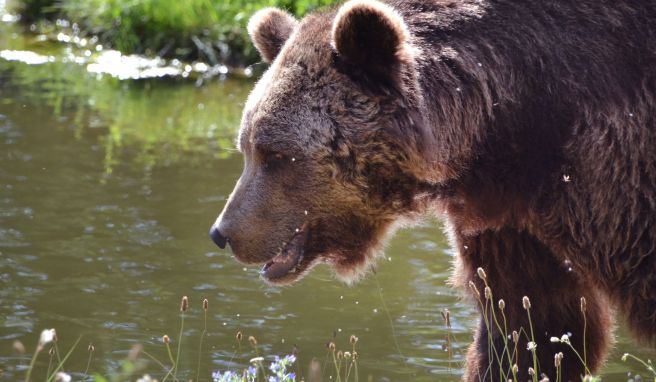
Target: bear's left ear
[371,35]
[269,29]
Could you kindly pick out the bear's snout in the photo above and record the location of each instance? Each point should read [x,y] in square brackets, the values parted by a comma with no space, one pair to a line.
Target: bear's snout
[217,237]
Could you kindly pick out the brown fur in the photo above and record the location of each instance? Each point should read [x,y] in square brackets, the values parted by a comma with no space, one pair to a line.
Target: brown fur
[530,125]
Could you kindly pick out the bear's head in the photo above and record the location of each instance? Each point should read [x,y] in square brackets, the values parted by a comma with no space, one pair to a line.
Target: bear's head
[333,140]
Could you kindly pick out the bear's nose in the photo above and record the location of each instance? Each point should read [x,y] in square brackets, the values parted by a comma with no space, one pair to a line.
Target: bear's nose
[217,237]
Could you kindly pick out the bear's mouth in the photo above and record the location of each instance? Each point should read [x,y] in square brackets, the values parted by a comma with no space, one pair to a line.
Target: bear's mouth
[291,262]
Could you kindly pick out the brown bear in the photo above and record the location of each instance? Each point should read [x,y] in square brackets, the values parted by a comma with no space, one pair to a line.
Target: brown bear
[529,125]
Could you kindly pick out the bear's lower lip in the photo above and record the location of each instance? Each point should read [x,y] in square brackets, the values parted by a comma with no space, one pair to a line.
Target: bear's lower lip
[285,264]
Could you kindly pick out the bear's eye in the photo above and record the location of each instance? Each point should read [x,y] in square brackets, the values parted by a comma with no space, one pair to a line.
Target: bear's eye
[273,160]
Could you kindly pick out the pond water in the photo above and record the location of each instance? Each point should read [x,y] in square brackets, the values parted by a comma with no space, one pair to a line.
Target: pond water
[107,191]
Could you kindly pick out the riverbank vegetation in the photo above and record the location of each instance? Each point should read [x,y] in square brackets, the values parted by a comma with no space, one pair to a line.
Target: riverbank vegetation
[205,30]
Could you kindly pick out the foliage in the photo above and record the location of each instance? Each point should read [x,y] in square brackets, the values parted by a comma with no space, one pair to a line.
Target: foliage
[213,31]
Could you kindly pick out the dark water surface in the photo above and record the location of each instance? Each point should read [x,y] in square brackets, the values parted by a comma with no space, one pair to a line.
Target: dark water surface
[107,190]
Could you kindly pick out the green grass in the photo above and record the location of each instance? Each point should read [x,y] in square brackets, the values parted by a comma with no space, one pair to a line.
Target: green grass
[341,366]
[208,30]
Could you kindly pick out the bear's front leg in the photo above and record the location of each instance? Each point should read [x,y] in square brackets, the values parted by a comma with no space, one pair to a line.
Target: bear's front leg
[515,265]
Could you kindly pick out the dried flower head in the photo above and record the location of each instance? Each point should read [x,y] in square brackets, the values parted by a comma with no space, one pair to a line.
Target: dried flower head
[47,336]
[531,346]
[488,293]
[515,369]
[584,304]
[481,273]
[531,372]
[62,377]
[166,339]
[91,348]
[18,347]
[558,357]
[515,336]
[502,304]
[340,355]
[347,354]
[565,339]
[472,286]
[447,317]
[51,352]
[353,340]
[239,336]
[252,341]
[184,304]
[355,355]
[526,303]
[135,350]
[331,346]
[205,304]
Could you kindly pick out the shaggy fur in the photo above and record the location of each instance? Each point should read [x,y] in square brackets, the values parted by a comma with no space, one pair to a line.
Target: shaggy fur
[530,125]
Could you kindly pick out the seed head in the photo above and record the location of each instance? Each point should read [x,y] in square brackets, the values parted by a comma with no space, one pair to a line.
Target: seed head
[355,355]
[252,341]
[515,369]
[481,273]
[166,339]
[515,336]
[205,304]
[526,303]
[353,340]
[340,355]
[502,304]
[91,348]
[18,347]
[51,352]
[331,346]
[184,304]
[584,305]
[531,346]
[558,357]
[488,292]
[47,336]
[531,372]
[134,352]
[625,356]
[239,336]
[447,317]
[472,286]
[347,354]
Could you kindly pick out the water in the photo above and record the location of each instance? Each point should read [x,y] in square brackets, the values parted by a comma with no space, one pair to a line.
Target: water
[107,190]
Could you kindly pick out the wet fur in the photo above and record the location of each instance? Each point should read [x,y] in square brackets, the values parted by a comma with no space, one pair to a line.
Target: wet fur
[530,125]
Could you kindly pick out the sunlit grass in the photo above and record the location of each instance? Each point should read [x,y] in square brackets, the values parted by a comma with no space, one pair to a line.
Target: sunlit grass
[262,367]
[213,31]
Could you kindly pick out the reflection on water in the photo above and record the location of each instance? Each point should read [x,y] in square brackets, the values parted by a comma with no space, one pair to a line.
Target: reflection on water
[107,189]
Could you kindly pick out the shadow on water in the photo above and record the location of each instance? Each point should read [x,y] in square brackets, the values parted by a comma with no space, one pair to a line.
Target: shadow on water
[107,190]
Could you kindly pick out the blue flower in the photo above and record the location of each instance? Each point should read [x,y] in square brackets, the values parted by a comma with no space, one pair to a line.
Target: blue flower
[251,371]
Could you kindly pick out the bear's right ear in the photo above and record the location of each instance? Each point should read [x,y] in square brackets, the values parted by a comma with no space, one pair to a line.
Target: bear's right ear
[371,35]
[269,29]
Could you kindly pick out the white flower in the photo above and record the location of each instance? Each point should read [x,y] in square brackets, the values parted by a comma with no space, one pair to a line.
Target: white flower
[554,339]
[146,378]
[47,336]
[256,359]
[564,339]
[531,346]
[62,377]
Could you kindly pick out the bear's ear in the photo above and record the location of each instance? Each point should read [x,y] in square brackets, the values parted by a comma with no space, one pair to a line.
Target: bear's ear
[269,29]
[371,35]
